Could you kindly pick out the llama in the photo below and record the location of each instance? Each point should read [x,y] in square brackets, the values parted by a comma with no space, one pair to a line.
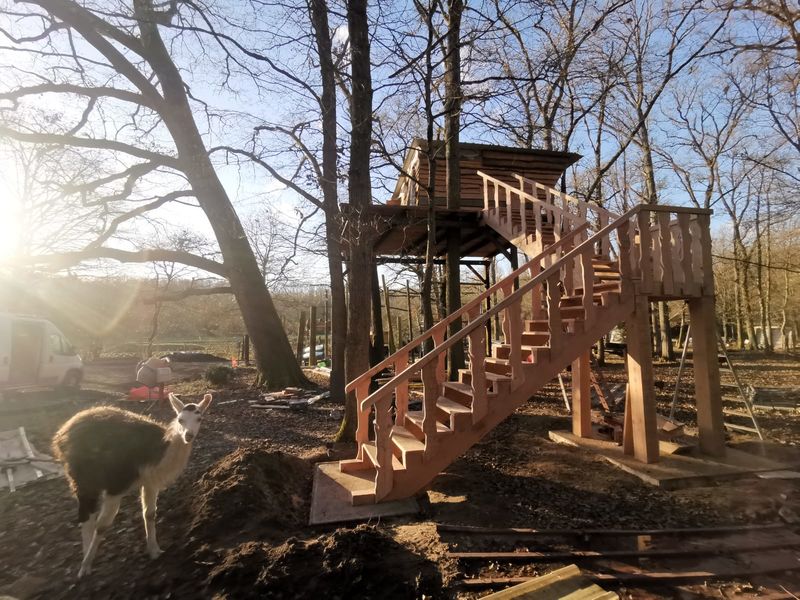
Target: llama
[108,452]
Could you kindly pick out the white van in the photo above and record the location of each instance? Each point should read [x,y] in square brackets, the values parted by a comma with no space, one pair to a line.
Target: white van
[34,353]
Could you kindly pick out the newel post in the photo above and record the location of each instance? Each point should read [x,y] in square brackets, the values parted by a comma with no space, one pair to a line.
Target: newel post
[702,315]
[640,383]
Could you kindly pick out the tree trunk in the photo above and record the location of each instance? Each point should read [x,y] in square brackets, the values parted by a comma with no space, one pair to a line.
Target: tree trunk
[452,109]
[319,20]
[359,228]
[274,357]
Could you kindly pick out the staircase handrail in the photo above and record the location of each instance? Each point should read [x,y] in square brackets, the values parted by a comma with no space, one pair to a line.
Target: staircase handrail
[434,354]
[600,210]
[556,210]
[389,361]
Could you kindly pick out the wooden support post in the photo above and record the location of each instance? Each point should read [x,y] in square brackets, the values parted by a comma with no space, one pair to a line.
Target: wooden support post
[312,338]
[388,315]
[376,349]
[411,335]
[488,284]
[326,352]
[640,384]
[706,376]
[581,397]
[301,332]
[514,260]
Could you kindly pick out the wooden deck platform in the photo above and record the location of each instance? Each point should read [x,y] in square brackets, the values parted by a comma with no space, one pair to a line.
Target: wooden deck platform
[675,471]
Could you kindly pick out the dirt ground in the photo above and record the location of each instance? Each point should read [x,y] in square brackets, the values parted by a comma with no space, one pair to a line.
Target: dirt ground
[234,525]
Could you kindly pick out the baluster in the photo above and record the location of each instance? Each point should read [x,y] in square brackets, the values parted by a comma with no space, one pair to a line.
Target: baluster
[485,194]
[587,282]
[523,216]
[438,339]
[623,235]
[568,273]
[384,475]
[602,221]
[697,254]
[704,223]
[362,428]
[636,253]
[686,254]
[554,311]
[513,316]
[477,367]
[645,252]
[401,391]
[506,290]
[676,251]
[430,393]
[497,200]
[537,216]
[658,273]
[536,294]
[665,243]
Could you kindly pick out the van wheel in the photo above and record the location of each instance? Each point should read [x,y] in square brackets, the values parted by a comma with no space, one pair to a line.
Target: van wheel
[71,381]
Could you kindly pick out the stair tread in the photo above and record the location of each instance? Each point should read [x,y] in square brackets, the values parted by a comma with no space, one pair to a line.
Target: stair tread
[416,416]
[372,451]
[451,406]
[497,376]
[457,385]
[405,440]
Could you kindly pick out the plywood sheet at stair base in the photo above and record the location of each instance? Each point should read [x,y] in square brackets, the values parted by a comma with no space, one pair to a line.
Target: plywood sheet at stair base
[674,471]
[558,584]
[331,501]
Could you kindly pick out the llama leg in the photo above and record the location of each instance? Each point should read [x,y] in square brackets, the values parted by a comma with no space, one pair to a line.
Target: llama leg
[104,520]
[87,517]
[87,532]
[149,500]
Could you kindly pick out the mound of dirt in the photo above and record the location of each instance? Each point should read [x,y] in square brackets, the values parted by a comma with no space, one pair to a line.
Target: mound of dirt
[251,491]
[348,563]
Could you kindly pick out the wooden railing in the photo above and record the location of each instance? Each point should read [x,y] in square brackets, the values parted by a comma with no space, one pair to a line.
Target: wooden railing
[508,203]
[678,262]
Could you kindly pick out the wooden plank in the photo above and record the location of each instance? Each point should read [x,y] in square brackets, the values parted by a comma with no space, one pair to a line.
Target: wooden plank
[665,244]
[566,582]
[516,531]
[575,555]
[645,251]
[786,563]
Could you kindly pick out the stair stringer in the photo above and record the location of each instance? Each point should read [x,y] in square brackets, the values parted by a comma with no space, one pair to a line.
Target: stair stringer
[407,482]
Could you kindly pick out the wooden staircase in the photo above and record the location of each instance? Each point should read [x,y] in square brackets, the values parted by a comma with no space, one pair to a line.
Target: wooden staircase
[588,266]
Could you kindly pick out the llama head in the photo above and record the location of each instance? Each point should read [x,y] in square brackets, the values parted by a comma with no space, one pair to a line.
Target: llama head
[188,416]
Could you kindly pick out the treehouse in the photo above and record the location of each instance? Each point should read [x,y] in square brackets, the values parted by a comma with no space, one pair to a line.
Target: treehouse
[405,215]
[587,269]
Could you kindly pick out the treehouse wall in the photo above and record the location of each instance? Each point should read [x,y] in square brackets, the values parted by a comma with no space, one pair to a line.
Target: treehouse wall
[500,162]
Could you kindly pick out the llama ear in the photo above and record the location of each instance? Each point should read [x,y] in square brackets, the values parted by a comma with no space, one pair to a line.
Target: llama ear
[177,405]
[204,403]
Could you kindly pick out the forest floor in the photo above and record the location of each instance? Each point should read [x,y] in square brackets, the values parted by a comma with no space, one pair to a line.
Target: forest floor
[235,523]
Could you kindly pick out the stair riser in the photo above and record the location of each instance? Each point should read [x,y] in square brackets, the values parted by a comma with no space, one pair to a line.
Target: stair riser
[499,368]
[535,339]
[504,351]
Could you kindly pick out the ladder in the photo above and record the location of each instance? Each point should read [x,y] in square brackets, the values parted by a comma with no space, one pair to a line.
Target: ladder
[745,398]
